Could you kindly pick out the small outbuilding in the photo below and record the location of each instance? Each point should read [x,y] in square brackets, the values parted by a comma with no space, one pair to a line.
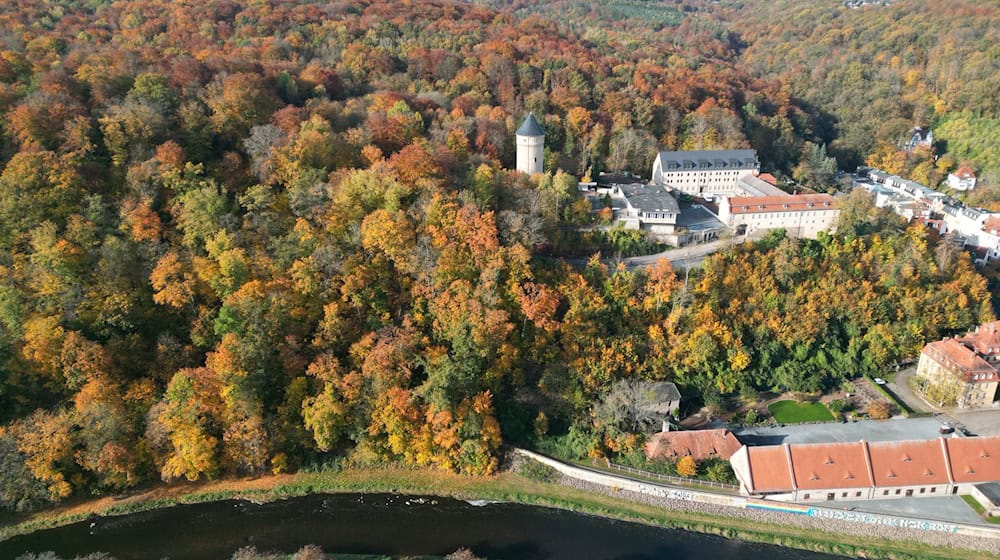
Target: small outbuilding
[662,397]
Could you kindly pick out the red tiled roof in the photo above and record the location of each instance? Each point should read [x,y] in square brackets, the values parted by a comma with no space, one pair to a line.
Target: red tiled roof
[965,172]
[768,178]
[699,444]
[769,468]
[985,339]
[908,461]
[830,465]
[974,459]
[792,203]
[992,225]
[810,466]
[960,360]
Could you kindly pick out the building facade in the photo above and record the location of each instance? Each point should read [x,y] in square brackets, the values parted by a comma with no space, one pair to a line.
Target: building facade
[803,215]
[845,471]
[704,172]
[962,371]
[530,139]
[648,207]
[962,179]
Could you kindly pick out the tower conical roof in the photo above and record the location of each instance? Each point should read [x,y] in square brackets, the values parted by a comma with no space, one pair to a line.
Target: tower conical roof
[530,127]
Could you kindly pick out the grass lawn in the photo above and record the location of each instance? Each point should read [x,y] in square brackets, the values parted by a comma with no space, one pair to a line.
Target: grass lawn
[979,509]
[791,412]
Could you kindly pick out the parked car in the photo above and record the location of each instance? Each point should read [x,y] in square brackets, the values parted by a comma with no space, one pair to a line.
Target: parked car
[879,381]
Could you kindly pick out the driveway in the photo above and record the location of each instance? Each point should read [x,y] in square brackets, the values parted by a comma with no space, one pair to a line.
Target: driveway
[900,385]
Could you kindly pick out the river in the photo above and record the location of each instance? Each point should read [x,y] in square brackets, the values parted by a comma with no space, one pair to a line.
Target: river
[382,524]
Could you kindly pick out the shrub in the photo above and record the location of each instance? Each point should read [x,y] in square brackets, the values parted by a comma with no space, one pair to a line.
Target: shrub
[718,470]
[879,410]
[536,471]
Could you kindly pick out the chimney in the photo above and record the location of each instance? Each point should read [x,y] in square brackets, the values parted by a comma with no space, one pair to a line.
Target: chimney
[665,427]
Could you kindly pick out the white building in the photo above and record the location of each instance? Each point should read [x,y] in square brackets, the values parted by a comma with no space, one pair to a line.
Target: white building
[824,472]
[530,146]
[647,207]
[706,172]
[801,215]
[962,180]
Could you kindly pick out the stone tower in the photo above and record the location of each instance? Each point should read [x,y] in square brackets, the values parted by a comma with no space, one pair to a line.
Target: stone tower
[530,146]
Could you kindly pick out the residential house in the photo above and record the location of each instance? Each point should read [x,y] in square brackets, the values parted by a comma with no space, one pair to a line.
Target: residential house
[648,207]
[962,179]
[919,138]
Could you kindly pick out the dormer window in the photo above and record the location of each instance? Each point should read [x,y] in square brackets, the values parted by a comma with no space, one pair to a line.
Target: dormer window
[814,477]
[829,461]
[892,474]
[906,459]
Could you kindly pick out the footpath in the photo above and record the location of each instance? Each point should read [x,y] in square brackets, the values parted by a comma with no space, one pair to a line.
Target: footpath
[828,519]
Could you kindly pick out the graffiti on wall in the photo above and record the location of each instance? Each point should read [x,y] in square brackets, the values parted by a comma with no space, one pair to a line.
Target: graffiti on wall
[886,520]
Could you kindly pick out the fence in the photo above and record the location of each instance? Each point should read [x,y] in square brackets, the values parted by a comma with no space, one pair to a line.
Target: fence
[674,479]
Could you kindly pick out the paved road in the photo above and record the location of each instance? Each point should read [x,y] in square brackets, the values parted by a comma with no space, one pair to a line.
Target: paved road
[684,257]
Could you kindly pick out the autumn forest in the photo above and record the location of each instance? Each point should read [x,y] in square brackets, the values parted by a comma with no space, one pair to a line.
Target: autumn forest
[243,238]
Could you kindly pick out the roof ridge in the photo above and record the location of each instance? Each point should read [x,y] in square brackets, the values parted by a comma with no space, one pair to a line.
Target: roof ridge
[791,466]
[868,462]
[946,453]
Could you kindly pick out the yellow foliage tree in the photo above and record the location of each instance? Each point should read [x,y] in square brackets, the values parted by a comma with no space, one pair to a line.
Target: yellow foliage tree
[686,467]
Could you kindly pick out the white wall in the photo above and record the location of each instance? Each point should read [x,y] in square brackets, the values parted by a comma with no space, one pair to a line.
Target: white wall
[530,154]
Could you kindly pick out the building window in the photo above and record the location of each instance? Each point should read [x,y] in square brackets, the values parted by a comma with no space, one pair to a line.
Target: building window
[805,497]
[844,495]
[933,490]
[857,494]
[922,490]
[897,491]
[885,492]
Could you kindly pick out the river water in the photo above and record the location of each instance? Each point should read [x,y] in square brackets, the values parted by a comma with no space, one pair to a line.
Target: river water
[382,524]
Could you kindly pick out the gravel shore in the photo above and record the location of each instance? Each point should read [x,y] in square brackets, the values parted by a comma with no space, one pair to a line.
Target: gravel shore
[991,546]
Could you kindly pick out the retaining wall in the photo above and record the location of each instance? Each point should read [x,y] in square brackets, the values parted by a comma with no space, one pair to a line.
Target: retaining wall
[741,502]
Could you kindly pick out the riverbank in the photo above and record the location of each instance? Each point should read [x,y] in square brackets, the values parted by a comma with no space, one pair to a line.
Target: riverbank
[508,487]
